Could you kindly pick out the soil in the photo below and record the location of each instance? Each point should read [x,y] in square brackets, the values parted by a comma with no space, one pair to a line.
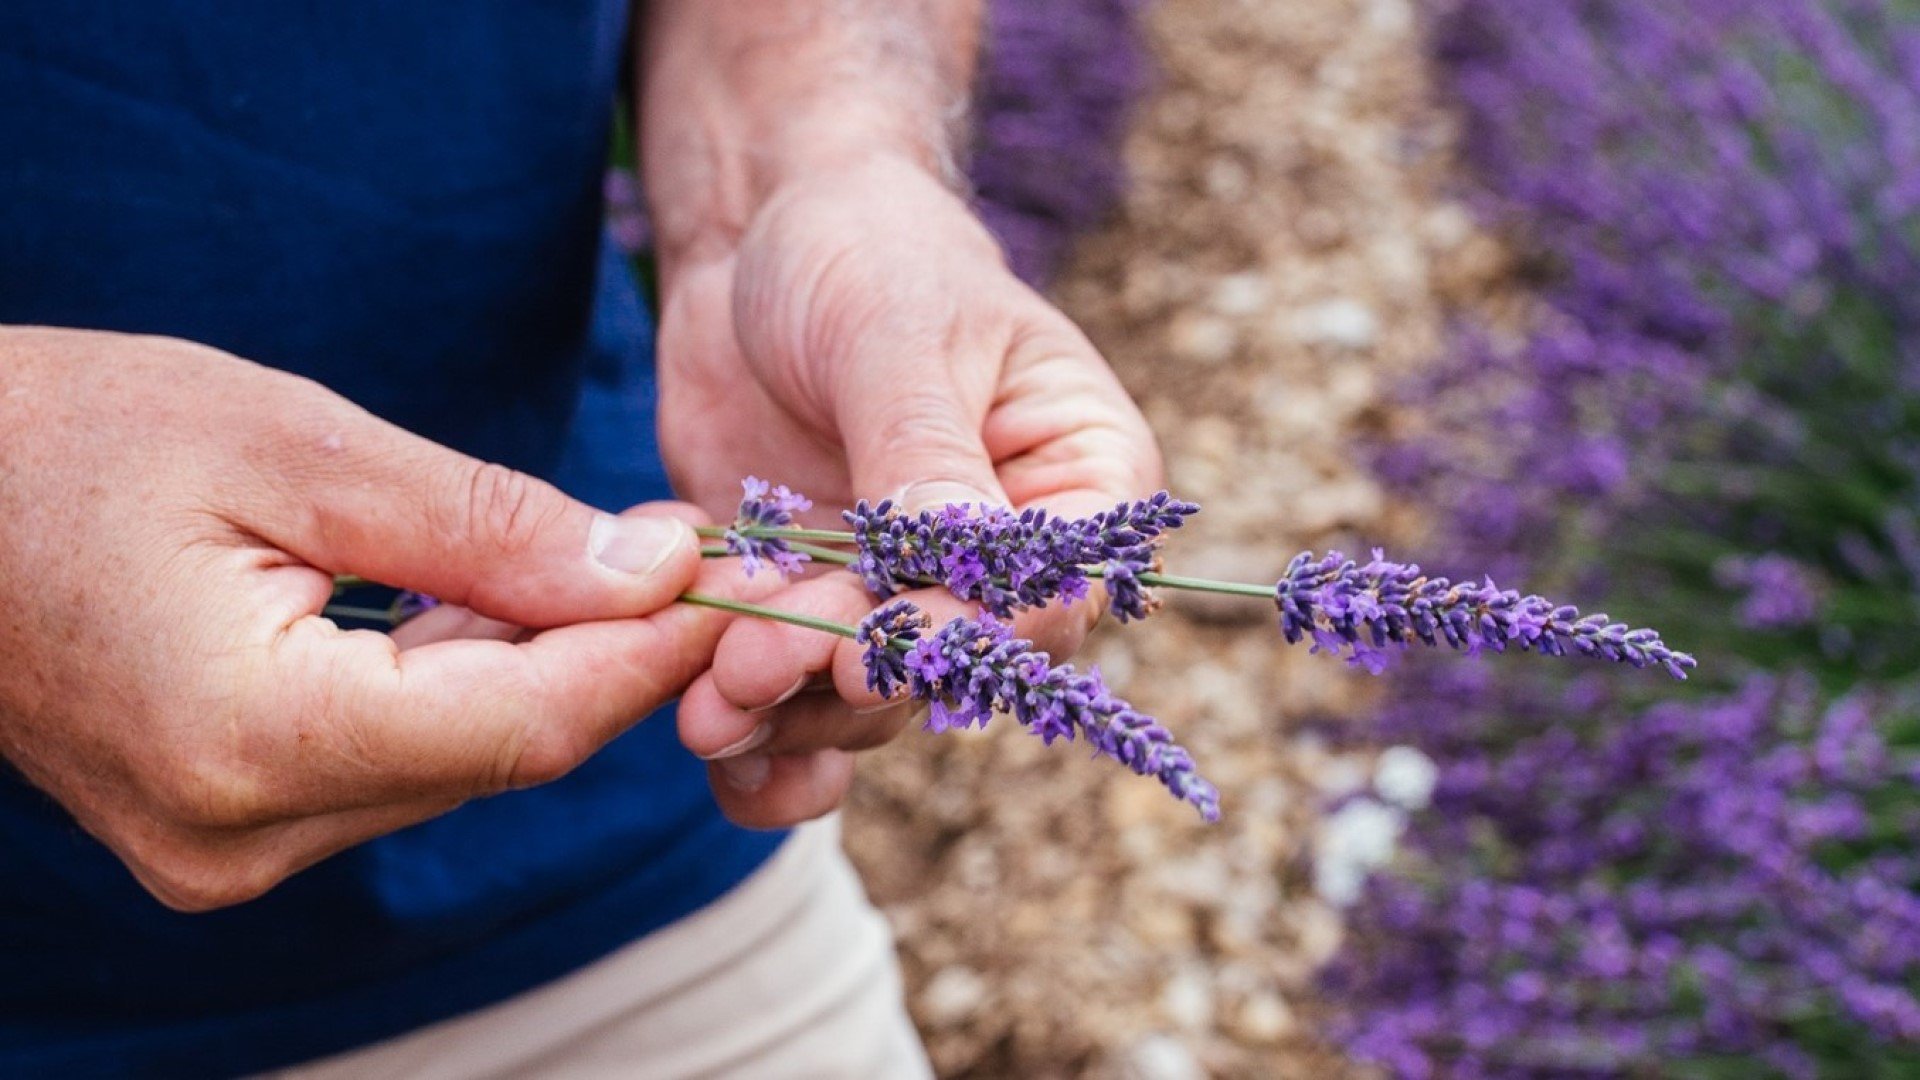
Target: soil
[1286,254]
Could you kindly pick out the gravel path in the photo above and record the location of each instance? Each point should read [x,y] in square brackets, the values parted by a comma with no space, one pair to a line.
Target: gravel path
[1285,250]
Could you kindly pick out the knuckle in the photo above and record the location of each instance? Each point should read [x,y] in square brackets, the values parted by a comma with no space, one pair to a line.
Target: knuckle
[924,424]
[506,508]
[548,754]
[200,793]
[188,877]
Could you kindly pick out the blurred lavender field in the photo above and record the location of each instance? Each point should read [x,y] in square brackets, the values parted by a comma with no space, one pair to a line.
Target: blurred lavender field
[1683,386]
[1711,416]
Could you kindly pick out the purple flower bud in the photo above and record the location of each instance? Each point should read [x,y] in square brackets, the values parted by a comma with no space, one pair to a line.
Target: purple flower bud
[888,632]
[764,505]
[409,604]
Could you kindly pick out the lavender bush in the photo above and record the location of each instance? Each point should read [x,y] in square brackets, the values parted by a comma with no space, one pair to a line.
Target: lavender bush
[1716,410]
[1051,105]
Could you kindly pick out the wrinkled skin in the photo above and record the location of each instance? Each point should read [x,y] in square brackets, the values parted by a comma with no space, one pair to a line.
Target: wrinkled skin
[864,338]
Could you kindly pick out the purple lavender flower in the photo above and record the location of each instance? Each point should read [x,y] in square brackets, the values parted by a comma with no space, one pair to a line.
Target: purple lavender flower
[1368,609]
[1719,199]
[766,506]
[409,604]
[1780,592]
[1580,870]
[626,211]
[889,631]
[1051,109]
[971,668]
[1009,561]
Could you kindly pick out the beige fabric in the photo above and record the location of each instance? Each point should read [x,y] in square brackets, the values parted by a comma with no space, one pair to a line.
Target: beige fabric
[792,974]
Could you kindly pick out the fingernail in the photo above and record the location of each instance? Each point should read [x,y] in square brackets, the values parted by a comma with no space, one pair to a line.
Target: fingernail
[752,740]
[926,494]
[880,708]
[636,545]
[799,685]
[748,774]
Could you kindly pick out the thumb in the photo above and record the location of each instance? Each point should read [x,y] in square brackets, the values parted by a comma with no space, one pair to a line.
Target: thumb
[389,506]
[919,446]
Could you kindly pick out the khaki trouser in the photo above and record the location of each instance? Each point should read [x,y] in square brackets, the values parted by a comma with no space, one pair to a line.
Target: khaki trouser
[792,974]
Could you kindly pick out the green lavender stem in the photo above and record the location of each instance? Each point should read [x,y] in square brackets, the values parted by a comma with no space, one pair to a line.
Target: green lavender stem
[738,607]
[824,536]
[1194,584]
[741,607]
[352,611]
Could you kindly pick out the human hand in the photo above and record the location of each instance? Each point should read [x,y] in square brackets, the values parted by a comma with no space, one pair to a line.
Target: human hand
[864,338]
[170,521]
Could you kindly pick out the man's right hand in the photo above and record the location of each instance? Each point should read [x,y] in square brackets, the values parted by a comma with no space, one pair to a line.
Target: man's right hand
[170,521]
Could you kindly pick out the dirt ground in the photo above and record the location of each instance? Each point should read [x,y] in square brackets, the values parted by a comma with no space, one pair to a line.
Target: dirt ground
[1286,250]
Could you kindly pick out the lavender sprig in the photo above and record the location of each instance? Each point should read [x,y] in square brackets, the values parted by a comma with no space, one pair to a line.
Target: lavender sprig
[1366,610]
[971,668]
[1010,562]
[766,506]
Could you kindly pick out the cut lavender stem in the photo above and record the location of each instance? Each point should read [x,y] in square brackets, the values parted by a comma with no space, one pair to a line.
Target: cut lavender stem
[971,668]
[1366,610]
[764,506]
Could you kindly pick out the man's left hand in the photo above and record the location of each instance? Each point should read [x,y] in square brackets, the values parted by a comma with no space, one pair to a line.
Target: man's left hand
[865,339]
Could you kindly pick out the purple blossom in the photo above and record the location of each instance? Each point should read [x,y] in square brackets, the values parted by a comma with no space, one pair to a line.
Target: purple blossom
[1367,609]
[627,222]
[1780,591]
[889,631]
[1050,112]
[971,668]
[766,506]
[409,604]
[1615,890]
[1008,561]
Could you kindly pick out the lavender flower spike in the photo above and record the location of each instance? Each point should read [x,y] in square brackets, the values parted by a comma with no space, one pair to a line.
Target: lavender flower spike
[765,505]
[971,668]
[1366,610]
[1008,561]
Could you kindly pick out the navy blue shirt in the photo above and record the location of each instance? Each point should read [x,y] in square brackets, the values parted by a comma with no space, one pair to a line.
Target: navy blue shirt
[401,201]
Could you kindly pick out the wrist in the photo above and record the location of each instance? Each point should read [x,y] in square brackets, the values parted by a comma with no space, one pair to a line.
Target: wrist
[742,101]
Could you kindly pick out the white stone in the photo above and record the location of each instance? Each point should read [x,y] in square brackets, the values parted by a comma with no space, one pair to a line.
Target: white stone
[1208,339]
[1354,840]
[1405,777]
[1338,881]
[1265,1018]
[953,994]
[1393,17]
[1364,831]
[1240,295]
[1162,1057]
[1187,998]
[1345,322]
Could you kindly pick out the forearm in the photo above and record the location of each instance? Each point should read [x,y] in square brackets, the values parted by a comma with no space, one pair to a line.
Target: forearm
[739,97]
